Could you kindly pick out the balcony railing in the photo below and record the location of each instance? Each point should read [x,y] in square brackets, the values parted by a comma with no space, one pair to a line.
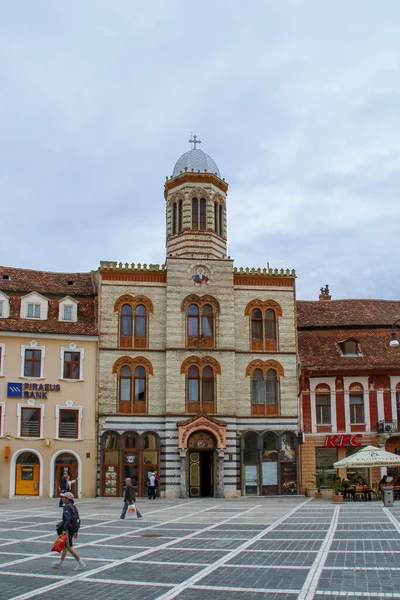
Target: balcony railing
[387,426]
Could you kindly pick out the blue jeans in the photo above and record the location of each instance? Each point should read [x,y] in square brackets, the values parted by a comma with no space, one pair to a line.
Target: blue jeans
[125,508]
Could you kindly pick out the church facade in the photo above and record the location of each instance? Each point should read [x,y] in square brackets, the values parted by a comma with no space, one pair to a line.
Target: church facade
[197,359]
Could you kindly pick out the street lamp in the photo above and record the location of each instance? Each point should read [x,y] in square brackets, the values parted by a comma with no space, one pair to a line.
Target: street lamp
[394,342]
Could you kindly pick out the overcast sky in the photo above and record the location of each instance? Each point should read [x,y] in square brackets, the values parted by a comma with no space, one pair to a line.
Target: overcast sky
[297,101]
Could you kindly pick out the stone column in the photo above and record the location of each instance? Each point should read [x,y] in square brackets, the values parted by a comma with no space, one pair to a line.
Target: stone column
[220,488]
[183,453]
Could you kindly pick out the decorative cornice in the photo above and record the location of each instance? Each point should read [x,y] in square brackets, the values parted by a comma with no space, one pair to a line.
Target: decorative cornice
[128,361]
[274,272]
[264,365]
[192,177]
[201,362]
[106,265]
[201,300]
[133,301]
[263,305]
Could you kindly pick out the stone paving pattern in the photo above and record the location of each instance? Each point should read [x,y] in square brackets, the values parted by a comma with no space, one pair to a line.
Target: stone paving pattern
[209,549]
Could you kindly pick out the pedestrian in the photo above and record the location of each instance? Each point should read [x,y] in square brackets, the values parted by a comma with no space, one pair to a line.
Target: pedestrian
[151,485]
[129,498]
[71,523]
[63,485]
[157,480]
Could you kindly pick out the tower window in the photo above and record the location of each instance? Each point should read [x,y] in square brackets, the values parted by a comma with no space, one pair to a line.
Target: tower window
[221,228]
[203,214]
[180,216]
[199,214]
[174,210]
[195,214]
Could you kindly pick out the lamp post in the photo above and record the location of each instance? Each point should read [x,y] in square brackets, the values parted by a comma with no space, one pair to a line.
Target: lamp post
[394,342]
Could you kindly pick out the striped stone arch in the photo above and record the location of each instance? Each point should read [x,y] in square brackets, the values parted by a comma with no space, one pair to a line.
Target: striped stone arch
[134,301]
[264,365]
[263,305]
[200,300]
[137,361]
[204,361]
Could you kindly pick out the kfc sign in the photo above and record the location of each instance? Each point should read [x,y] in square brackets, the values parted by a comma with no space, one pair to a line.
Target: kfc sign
[339,441]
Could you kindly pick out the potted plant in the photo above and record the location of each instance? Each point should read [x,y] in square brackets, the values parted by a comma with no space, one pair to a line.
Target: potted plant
[319,481]
[337,488]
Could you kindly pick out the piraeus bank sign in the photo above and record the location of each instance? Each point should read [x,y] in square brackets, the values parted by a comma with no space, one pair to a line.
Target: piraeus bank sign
[38,391]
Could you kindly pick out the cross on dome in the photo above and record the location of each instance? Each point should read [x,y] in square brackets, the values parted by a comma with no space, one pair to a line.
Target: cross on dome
[194,141]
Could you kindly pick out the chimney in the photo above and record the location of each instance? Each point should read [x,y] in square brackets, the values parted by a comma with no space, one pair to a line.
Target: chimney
[325,295]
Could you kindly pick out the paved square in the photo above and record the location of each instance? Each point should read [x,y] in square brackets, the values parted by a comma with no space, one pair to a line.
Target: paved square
[209,549]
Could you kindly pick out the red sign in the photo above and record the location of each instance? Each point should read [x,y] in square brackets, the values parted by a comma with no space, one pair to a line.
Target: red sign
[346,439]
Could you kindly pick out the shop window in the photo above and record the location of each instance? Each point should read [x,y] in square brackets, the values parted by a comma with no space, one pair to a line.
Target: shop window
[269,466]
[251,463]
[323,408]
[31,422]
[324,459]
[131,458]
[353,473]
[150,455]
[288,464]
[68,423]
[200,389]
[110,457]
[265,392]
[357,408]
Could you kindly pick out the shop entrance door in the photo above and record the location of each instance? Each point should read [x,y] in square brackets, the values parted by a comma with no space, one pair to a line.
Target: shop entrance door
[201,473]
[27,473]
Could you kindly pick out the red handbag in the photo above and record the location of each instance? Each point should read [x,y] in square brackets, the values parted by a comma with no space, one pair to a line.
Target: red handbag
[59,544]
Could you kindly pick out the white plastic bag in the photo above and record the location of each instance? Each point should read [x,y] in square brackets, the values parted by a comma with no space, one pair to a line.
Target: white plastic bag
[131,512]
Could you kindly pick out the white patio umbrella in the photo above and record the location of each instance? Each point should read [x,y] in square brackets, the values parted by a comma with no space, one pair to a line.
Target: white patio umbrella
[370,456]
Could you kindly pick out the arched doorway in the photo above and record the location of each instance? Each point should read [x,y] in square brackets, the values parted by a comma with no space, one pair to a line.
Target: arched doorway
[202,464]
[27,474]
[251,462]
[65,462]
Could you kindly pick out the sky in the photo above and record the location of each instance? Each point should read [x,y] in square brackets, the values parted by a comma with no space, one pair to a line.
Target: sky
[297,101]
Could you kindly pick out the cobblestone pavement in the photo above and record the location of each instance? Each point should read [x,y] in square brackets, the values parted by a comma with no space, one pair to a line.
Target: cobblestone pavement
[244,549]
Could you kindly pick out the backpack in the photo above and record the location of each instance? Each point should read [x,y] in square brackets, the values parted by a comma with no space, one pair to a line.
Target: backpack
[75,520]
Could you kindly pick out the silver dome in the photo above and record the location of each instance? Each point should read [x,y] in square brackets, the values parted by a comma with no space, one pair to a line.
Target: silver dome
[198,161]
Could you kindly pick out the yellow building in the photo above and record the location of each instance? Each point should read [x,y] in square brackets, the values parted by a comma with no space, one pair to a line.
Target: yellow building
[48,354]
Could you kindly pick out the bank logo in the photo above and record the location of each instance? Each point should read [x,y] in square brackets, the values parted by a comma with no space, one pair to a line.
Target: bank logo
[14,390]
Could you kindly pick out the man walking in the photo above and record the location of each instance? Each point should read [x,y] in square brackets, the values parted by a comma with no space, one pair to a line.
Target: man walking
[71,524]
[152,486]
[129,496]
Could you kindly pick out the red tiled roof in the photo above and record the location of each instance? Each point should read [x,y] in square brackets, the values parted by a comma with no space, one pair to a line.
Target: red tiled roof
[319,351]
[46,282]
[347,313]
[53,286]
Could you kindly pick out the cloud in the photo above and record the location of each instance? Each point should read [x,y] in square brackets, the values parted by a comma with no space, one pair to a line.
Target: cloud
[297,103]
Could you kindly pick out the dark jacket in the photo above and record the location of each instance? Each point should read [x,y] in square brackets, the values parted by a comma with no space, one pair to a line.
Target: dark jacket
[63,484]
[129,495]
[68,510]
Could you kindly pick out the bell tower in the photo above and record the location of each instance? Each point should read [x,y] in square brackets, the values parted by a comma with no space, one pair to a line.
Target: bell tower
[196,206]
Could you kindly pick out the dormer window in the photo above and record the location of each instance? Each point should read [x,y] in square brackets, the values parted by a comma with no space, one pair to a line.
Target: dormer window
[350,348]
[1,308]
[4,306]
[34,306]
[33,311]
[68,309]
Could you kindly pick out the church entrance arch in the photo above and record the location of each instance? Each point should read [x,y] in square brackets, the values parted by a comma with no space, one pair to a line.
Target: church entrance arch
[201,447]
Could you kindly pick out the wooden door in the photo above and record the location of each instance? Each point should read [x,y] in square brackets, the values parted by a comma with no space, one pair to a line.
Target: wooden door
[59,470]
[27,480]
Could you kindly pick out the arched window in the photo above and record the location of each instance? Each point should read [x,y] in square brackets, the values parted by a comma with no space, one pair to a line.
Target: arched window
[357,414]
[264,331]
[126,326]
[140,326]
[203,214]
[257,330]
[323,404]
[125,390]
[174,218]
[216,217]
[200,326]
[270,325]
[195,214]
[221,221]
[180,215]
[132,390]
[264,392]
[200,391]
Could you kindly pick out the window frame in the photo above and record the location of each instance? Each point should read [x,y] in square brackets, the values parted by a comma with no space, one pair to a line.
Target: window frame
[265,343]
[344,353]
[34,306]
[133,340]
[199,214]
[33,346]
[354,410]
[78,410]
[2,418]
[200,340]
[192,406]
[319,408]
[20,409]
[72,348]
[5,302]
[2,358]
[265,408]
[139,407]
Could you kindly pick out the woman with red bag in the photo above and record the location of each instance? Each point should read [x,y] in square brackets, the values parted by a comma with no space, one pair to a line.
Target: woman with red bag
[70,516]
